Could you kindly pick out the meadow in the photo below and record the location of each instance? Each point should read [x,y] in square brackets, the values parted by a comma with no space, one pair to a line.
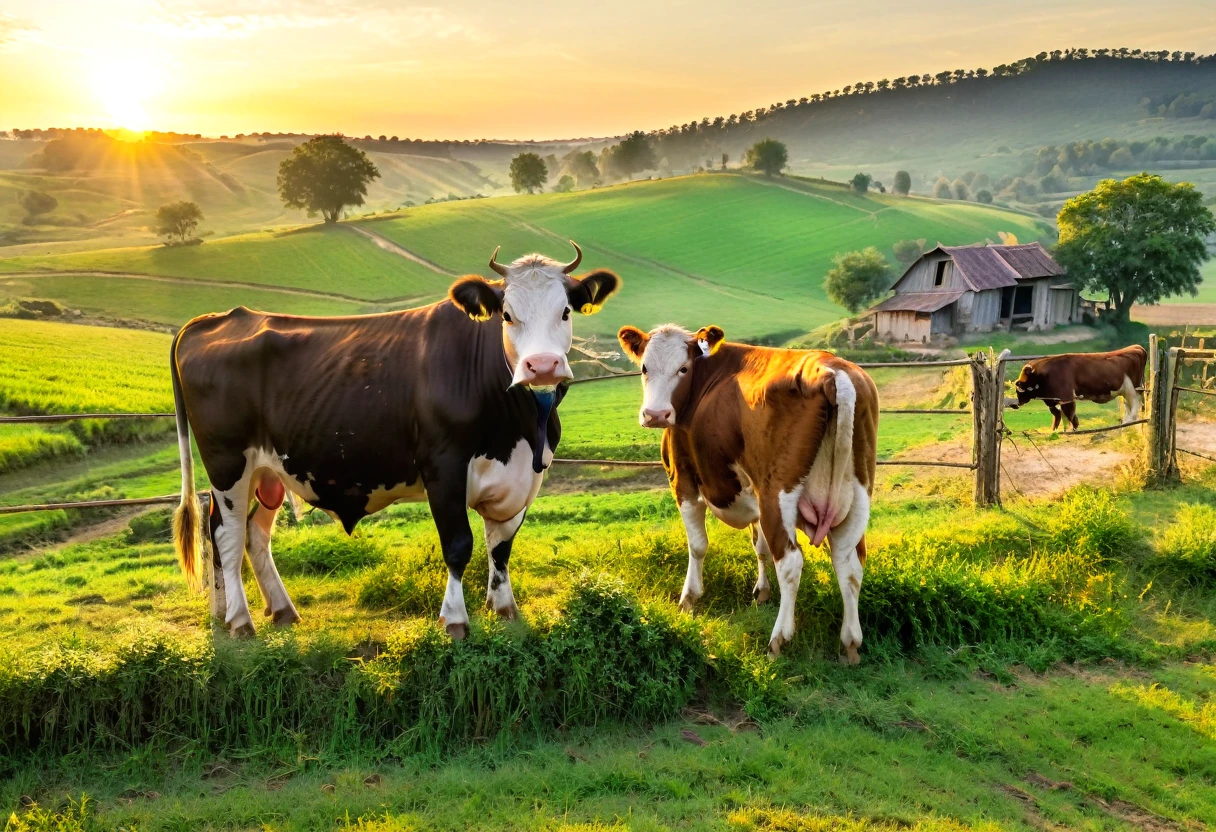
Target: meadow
[669,240]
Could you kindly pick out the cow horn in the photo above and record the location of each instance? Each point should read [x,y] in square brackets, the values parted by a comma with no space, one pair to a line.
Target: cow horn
[495,265]
[578,258]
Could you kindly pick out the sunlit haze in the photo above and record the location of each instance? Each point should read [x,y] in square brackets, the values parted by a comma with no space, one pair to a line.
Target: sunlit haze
[529,69]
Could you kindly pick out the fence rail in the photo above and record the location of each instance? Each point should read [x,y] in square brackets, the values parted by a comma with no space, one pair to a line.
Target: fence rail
[987,413]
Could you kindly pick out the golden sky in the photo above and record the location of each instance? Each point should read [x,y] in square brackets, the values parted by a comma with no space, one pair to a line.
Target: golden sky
[515,69]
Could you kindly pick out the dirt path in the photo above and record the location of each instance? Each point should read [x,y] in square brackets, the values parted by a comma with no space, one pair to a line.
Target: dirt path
[389,246]
[1175,314]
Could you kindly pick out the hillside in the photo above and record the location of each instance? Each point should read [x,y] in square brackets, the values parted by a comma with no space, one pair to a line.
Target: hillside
[742,252]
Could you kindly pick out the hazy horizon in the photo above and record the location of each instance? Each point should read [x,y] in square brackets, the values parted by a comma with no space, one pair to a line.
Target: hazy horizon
[453,70]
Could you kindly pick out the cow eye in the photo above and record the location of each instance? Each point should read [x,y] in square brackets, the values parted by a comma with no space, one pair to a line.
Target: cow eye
[506,316]
[566,314]
[683,370]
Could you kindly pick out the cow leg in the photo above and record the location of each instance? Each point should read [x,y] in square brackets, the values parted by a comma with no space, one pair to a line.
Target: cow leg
[499,539]
[1070,413]
[1131,401]
[228,536]
[258,533]
[693,512]
[1054,407]
[848,548]
[446,497]
[778,524]
[763,589]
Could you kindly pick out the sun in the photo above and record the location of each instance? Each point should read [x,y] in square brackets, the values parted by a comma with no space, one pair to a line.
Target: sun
[124,87]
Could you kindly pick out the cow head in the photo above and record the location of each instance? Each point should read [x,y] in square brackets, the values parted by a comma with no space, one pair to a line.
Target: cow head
[1029,385]
[666,356]
[535,298]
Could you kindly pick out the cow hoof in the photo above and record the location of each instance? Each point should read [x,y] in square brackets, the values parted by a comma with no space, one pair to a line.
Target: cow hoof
[457,632]
[761,594]
[286,617]
[509,613]
[774,648]
[243,631]
[850,656]
[687,604]
[267,611]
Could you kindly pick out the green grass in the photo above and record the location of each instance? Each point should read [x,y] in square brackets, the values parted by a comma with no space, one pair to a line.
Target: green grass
[1207,289]
[746,254]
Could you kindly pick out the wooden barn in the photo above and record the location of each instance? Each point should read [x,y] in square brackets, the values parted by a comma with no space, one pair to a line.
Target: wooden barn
[956,289]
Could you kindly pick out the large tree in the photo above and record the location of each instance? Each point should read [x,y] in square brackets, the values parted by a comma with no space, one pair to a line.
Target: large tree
[1140,239]
[528,173]
[903,182]
[767,155]
[178,219]
[857,278]
[325,175]
[633,155]
[861,182]
[581,165]
[36,203]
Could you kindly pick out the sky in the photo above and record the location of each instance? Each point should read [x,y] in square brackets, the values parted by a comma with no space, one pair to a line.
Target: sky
[523,69]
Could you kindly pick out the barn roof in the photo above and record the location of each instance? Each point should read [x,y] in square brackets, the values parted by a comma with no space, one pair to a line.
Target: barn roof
[1030,260]
[995,267]
[918,301]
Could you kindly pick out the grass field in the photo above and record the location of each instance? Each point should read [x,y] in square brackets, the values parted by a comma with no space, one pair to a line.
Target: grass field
[671,241]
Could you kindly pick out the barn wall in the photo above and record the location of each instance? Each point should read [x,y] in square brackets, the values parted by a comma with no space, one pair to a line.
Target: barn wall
[919,278]
[985,310]
[901,326]
[942,322]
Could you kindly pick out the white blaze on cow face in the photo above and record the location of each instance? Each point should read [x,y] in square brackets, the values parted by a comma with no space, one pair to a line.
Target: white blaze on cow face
[666,356]
[535,300]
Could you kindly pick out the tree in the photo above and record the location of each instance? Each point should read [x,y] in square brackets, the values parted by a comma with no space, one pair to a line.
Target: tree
[37,202]
[633,155]
[178,219]
[903,182]
[564,185]
[984,196]
[909,251]
[767,155]
[960,189]
[528,173]
[324,175]
[861,182]
[857,279]
[582,167]
[725,159]
[1140,239]
[941,188]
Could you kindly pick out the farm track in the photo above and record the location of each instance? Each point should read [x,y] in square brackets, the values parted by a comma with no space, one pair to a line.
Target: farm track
[399,250]
[203,281]
[1175,314]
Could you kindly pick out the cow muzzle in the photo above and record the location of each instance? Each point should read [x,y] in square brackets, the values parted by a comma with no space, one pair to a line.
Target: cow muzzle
[544,369]
[663,418]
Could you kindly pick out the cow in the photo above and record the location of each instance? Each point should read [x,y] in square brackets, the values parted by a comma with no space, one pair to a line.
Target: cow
[778,440]
[1059,380]
[454,403]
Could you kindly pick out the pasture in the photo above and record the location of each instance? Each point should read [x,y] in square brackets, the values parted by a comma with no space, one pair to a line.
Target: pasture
[669,240]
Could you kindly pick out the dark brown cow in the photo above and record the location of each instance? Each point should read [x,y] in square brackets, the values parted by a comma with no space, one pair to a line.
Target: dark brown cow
[454,403]
[779,440]
[1059,380]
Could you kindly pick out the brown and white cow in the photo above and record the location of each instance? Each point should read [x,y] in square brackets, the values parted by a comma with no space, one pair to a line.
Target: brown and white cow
[453,403]
[779,440]
[1059,380]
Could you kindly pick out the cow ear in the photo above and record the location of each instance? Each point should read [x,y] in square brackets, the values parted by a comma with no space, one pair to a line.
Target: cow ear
[633,342]
[588,293]
[709,338]
[477,297]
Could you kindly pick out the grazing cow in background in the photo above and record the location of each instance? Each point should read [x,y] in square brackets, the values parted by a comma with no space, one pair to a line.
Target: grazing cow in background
[454,403]
[778,440]
[1059,380]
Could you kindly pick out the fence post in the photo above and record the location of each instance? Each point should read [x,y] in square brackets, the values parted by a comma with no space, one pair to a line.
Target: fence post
[1163,403]
[987,401]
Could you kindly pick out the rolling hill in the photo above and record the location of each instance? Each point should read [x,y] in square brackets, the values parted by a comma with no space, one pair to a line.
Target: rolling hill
[746,253]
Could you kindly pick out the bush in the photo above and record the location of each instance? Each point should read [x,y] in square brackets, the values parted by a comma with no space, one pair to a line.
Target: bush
[1186,550]
[153,526]
[325,551]
[941,188]
[984,197]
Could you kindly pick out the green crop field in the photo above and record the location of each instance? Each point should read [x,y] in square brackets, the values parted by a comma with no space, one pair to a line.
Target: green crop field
[744,253]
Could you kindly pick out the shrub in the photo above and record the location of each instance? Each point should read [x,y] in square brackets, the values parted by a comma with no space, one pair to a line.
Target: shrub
[153,526]
[325,551]
[1186,550]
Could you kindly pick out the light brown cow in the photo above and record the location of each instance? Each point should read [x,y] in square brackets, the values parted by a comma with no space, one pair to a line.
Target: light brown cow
[779,440]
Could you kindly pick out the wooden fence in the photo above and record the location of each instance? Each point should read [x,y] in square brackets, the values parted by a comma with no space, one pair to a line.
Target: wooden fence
[988,382]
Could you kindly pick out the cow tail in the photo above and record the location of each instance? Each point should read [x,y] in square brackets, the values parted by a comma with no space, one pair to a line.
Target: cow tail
[186,519]
[842,457]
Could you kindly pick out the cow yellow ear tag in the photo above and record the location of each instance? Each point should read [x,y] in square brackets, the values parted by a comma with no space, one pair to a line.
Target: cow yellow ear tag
[589,309]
